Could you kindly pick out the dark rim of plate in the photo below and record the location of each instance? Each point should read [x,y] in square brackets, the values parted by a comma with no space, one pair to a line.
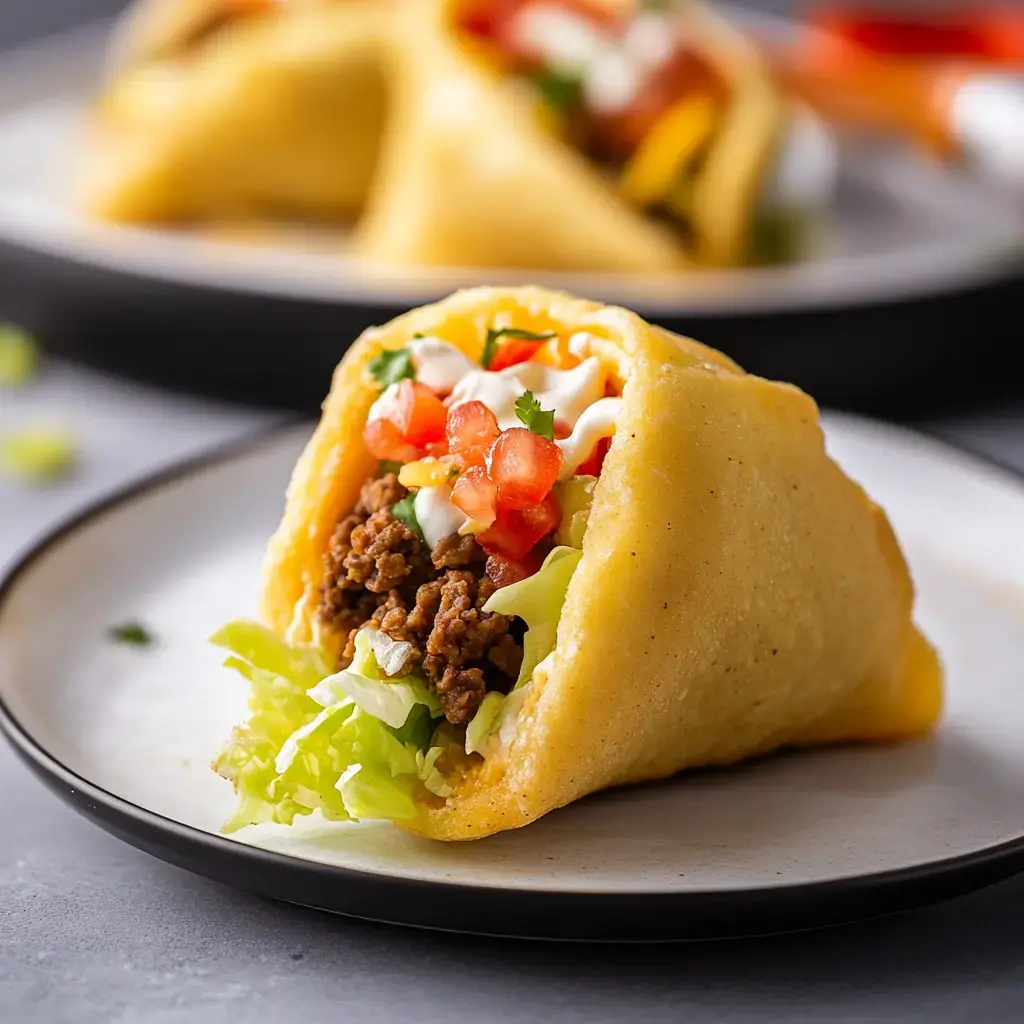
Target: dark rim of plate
[578,915]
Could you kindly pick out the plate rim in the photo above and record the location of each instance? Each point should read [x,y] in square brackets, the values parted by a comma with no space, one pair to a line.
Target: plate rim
[926,271]
[445,905]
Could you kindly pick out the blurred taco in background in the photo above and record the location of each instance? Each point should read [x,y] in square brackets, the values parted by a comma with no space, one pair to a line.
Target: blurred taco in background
[583,136]
[223,109]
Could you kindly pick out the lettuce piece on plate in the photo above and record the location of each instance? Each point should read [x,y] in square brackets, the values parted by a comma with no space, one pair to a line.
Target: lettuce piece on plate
[37,454]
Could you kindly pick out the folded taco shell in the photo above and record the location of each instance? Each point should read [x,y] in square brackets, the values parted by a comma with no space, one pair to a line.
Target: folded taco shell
[737,592]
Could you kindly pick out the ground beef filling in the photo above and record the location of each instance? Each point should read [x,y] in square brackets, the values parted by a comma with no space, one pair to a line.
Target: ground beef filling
[378,571]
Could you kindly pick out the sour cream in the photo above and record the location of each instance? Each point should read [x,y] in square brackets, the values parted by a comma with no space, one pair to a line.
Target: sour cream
[438,364]
[651,39]
[611,74]
[568,392]
[596,423]
[386,406]
[437,515]
[565,42]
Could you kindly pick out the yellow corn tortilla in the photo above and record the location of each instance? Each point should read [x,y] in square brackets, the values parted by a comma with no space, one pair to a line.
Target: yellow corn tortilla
[278,114]
[737,592]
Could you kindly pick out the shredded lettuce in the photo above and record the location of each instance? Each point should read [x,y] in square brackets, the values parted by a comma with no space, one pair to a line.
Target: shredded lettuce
[483,722]
[538,601]
[389,699]
[430,776]
[359,744]
[311,744]
[575,498]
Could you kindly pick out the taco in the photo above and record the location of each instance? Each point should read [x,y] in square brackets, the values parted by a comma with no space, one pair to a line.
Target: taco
[537,547]
[238,109]
[574,135]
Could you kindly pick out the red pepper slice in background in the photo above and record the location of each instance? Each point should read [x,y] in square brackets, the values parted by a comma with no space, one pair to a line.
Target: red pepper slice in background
[984,33]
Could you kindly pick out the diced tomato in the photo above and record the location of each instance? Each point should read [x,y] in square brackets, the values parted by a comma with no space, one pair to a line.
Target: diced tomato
[505,571]
[592,466]
[471,430]
[438,449]
[515,531]
[486,18]
[422,414]
[384,439]
[475,494]
[513,352]
[525,466]
[542,518]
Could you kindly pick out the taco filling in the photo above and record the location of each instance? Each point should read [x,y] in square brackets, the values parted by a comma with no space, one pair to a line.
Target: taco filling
[629,91]
[442,587]
[650,100]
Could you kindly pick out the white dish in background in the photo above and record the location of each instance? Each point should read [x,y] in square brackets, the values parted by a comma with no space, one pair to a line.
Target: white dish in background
[790,841]
[901,228]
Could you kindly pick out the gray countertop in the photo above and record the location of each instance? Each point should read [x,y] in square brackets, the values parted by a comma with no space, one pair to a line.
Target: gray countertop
[95,932]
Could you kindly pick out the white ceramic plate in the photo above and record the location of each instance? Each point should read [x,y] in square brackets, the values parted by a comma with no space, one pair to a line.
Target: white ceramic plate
[797,840]
[900,229]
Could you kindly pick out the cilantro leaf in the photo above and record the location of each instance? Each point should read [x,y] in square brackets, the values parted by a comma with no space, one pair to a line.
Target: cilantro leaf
[534,418]
[495,334]
[392,366]
[405,512]
[559,91]
[490,350]
[133,633]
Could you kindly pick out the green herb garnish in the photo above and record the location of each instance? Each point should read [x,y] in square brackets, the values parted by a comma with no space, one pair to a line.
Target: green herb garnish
[37,454]
[392,366]
[559,91]
[405,512]
[133,633]
[19,356]
[495,334]
[534,418]
[453,473]
[388,466]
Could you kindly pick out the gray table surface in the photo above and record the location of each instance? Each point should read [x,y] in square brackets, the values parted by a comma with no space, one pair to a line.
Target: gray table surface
[94,932]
